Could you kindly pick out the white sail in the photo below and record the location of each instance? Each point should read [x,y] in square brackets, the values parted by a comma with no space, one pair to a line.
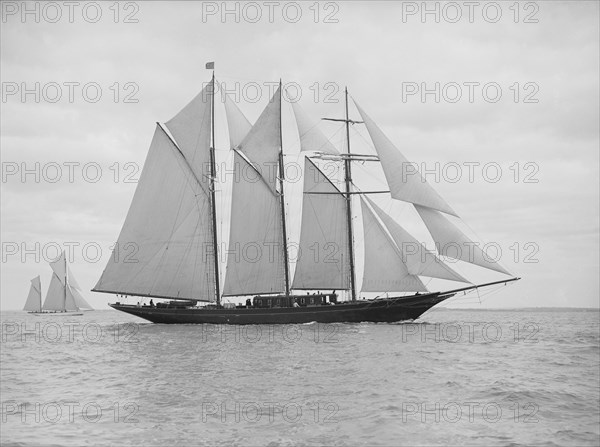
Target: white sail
[323,256]
[55,298]
[262,144]
[78,300]
[34,299]
[452,242]
[405,182]
[384,269]
[311,137]
[59,266]
[71,280]
[255,261]
[237,123]
[165,246]
[419,261]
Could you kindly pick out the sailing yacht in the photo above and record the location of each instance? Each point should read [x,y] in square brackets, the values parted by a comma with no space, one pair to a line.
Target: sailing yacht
[172,222]
[63,296]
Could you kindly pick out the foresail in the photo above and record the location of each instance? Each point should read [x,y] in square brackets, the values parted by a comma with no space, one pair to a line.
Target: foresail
[323,255]
[452,242]
[237,123]
[405,182]
[419,261]
[165,248]
[34,299]
[311,137]
[55,298]
[262,145]
[384,269]
[255,261]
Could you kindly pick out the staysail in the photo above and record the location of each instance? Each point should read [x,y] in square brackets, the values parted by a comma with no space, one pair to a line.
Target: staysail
[323,255]
[311,137]
[404,180]
[384,269]
[452,242]
[34,298]
[419,261]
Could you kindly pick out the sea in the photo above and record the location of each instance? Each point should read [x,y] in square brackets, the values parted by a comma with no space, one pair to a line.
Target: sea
[526,377]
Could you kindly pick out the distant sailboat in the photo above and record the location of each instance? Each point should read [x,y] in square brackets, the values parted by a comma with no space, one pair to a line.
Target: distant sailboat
[172,221]
[34,299]
[63,296]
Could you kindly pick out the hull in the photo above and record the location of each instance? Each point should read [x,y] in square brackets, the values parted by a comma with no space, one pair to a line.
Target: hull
[57,314]
[383,310]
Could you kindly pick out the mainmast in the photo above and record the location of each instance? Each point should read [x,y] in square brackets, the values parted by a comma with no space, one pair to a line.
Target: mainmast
[212,191]
[65,285]
[347,165]
[282,198]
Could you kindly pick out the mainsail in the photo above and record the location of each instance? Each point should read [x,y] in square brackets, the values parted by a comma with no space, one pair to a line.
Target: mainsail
[64,291]
[164,249]
[323,255]
[34,298]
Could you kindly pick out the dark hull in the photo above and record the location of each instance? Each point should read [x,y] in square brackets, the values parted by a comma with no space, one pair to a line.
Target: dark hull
[383,310]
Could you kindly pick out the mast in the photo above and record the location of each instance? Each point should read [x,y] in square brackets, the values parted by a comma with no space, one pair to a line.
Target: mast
[347,166]
[212,191]
[65,285]
[282,198]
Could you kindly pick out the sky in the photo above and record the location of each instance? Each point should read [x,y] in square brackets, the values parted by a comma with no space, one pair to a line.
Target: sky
[497,102]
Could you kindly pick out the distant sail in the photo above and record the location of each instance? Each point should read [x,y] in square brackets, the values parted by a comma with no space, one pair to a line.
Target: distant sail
[404,184]
[323,259]
[78,300]
[311,137]
[59,266]
[34,299]
[165,245]
[237,123]
[262,144]
[419,261]
[453,243]
[55,298]
[384,269]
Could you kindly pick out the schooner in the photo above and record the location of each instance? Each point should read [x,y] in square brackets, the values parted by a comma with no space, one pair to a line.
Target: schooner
[172,223]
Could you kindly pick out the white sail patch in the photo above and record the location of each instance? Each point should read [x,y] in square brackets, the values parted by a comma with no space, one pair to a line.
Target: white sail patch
[55,298]
[255,261]
[34,298]
[405,182]
[263,143]
[323,255]
[166,244]
[237,123]
[311,137]
[452,242]
[77,299]
[419,261]
[191,130]
[384,269]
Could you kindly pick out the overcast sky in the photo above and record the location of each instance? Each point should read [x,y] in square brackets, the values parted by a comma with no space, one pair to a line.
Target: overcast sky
[518,102]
